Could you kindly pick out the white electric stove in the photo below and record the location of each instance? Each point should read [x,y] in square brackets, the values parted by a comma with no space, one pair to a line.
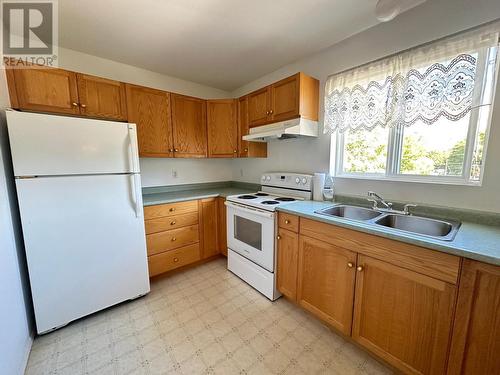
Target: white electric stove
[252,226]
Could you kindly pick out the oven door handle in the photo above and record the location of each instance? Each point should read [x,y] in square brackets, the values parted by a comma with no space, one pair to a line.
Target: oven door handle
[253,211]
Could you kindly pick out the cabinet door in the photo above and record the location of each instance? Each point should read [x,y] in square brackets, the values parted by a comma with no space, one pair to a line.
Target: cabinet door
[44,89]
[326,282]
[189,121]
[209,227]
[476,334]
[100,97]
[402,316]
[149,109]
[285,98]
[222,127]
[288,262]
[259,103]
[221,225]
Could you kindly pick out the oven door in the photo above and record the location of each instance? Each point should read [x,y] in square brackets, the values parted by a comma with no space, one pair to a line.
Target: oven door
[250,233]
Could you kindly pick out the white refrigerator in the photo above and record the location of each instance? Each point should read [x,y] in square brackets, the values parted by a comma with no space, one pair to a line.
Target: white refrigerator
[79,192]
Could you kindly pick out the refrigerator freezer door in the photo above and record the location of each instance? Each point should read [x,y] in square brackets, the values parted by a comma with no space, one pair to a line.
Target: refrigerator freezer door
[48,145]
[85,247]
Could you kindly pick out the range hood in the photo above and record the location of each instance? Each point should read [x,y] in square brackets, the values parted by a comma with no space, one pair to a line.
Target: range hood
[295,128]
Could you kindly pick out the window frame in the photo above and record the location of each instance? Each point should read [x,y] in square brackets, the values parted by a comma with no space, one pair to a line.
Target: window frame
[396,135]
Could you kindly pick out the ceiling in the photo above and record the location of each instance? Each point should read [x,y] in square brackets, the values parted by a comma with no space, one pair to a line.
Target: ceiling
[219,43]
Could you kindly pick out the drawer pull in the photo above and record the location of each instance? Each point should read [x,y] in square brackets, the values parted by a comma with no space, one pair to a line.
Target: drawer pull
[172,222]
[350,264]
[360,268]
[278,237]
[174,239]
[172,209]
[287,221]
[74,104]
[176,260]
[83,105]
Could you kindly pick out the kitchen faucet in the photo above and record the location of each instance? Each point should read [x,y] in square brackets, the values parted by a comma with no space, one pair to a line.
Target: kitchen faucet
[376,199]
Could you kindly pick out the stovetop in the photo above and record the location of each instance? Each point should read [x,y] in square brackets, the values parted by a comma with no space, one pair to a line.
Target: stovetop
[262,200]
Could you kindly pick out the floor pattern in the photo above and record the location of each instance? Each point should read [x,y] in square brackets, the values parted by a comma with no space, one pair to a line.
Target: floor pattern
[201,321]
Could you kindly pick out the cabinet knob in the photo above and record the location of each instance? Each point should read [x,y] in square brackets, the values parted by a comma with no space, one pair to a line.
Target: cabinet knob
[350,264]
[74,104]
[176,150]
[172,222]
[271,112]
[170,150]
[174,239]
[235,151]
[278,237]
[287,221]
[246,150]
[267,113]
[83,105]
[176,260]
[359,268]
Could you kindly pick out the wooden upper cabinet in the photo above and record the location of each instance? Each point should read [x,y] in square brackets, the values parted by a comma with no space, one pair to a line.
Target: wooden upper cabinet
[101,97]
[476,335]
[288,263]
[149,109]
[403,316]
[259,103]
[189,123]
[43,89]
[222,128]
[247,149]
[285,98]
[326,277]
[209,216]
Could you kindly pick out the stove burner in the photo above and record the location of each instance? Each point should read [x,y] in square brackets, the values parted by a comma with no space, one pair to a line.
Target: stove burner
[261,194]
[246,196]
[270,202]
[284,199]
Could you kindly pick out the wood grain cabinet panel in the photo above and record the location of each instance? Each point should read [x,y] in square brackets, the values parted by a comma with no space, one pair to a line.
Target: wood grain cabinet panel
[245,148]
[326,282]
[170,222]
[288,263]
[150,110]
[171,239]
[476,334]
[285,98]
[101,97]
[170,209]
[44,89]
[287,221]
[402,316]
[173,259]
[259,103]
[189,123]
[209,214]
[222,225]
[222,127]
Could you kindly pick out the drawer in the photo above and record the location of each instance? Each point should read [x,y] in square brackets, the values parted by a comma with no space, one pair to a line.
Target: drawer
[161,224]
[432,263]
[287,221]
[172,239]
[173,259]
[169,209]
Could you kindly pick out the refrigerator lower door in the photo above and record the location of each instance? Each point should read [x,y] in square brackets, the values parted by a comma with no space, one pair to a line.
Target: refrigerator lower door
[85,244]
[49,145]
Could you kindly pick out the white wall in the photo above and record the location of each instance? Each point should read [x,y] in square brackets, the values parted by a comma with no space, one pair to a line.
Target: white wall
[16,323]
[432,20]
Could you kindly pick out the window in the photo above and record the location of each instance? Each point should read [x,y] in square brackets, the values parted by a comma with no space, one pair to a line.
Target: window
[422,115]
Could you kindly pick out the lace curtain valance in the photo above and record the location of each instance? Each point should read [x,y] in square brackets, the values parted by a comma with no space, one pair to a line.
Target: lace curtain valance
[423,84]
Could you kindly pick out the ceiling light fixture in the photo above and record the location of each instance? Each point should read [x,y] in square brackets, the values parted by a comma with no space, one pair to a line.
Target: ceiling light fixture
[387,10]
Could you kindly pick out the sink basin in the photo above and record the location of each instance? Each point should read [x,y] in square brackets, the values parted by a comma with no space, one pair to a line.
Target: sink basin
[350,212]
[443,230]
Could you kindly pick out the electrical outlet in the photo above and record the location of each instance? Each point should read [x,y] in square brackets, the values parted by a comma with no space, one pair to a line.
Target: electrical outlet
[174,173]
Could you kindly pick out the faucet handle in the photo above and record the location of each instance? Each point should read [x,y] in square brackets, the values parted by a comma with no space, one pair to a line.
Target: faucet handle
[406,208]
[374,201]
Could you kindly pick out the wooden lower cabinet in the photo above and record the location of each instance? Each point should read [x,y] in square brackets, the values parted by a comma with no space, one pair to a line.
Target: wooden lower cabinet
[402,316]
[326,278]
[173,259]
[222,225]
[475,345]
[288,263]
[209,213]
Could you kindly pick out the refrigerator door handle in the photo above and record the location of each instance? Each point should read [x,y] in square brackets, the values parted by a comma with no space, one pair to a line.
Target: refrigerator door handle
[136,187]
[132,135]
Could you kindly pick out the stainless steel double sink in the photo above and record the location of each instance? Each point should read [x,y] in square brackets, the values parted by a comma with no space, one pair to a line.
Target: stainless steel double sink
[422,226]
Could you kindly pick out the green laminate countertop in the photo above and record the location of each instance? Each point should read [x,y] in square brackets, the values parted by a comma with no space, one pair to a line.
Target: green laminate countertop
[180,193]
[474,241]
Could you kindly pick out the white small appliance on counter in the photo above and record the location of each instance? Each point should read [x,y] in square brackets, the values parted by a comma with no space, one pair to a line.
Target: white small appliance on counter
[79,193]
[252,226]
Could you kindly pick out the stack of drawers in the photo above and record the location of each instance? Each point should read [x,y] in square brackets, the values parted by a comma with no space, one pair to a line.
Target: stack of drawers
[172,235]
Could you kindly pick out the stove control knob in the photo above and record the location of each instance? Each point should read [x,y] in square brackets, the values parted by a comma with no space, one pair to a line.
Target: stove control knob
[297,180]
[304,181]
[268,178]
[263,178]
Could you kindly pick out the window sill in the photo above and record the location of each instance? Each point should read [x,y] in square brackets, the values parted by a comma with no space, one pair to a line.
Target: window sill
[409,179]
